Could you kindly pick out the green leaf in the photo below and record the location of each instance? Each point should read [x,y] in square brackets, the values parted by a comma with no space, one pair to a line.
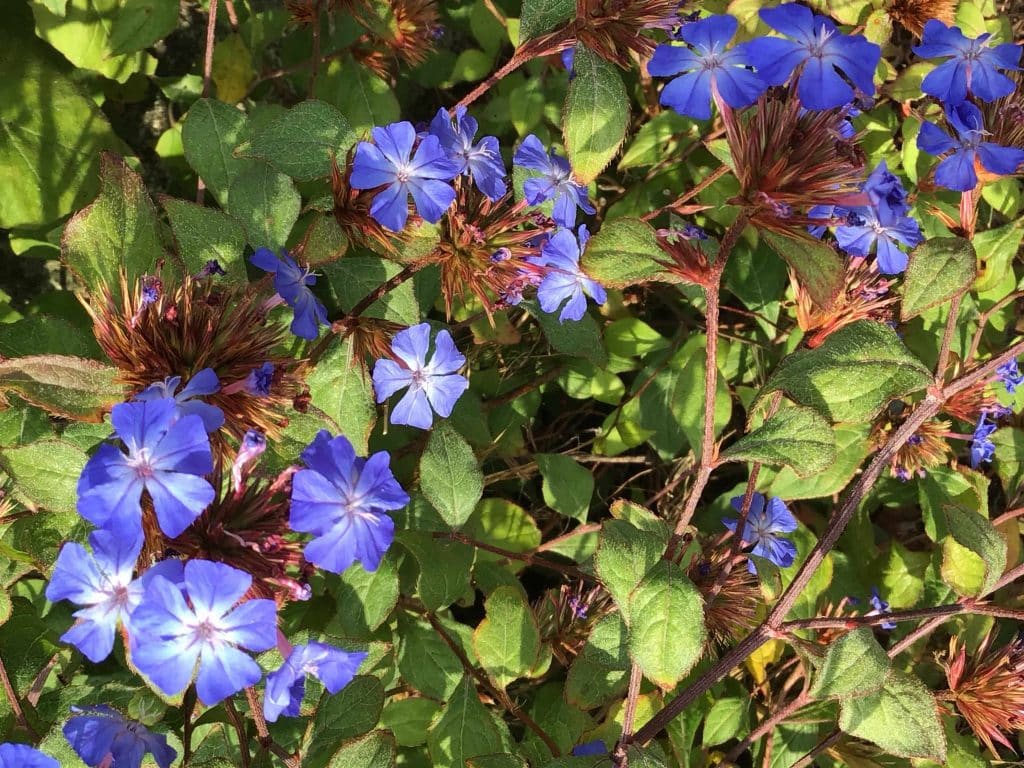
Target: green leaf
[502,524]
[600,672]
[902,718]
[45,474]
[577,338]
[211,131]
[302,141]
[409,719]
[507,641]
[361,96]
[975,533]
[445,568]
[341,387]
[47,334]
[666,632]
[854,665]
[353,277]
[624,252]
[624,557]
[853,374]
[366,598]
[374,750]
[51,135]
[116,232]
[351,712]
[656,139]
[725,720]
[35,641]
[450,477]
[64,386]
[851,446]
[266,204]
[632,337]
[425,660]
[819,267]
[595,115]
[540,16]
[85,35]
[464,730]
[567,486]
[903,576]
[140,23]
[203,234]
[795,437]
[937,270]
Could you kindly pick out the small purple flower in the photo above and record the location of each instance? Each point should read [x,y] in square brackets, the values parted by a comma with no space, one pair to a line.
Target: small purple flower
[594,748]
[292,284]
[152,288]
[887,194]
[765,523]
[103,737]
[177,628]
[555,182]
[260,380]
[343,501]
[433,387]
[982,448]
[24,756]
[210,268]
[864,230]
[482,162]
[973,66]
[254,443]
[167,457]
[707,68]
[1010,375]
[956,171]
[390,161]
[204,382]
[569,61]
[564,281]
[880,607]
[826,56]
[101,582]
[332,666]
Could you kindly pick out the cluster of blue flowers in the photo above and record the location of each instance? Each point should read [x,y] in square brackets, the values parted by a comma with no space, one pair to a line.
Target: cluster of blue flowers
[196,620]
[881,226]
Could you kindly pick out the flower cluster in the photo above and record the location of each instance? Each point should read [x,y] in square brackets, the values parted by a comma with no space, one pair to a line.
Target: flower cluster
[766,520]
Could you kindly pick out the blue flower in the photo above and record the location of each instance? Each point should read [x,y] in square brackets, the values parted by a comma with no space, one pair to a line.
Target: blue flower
[204,382]
[564,281]
[880,606]
[865,230]
[175,628]
[973,66]
[957,171]
[167,457]
[555,182]
[24,756]
[292,284]
[823,52]
[887,194]
[343,501]
[100,733]
[765,523]
[569,61]
[332,666]
[433,386]
[101,582]
[707,68]
[1010,375]
[982,448]
[423,176]
[593,748]
[259,380]
[482,161]
[210,268]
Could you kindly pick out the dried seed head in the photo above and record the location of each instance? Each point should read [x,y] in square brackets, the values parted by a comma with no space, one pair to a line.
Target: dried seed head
[926,448]
[914,14]
[1005,117]
[352,212]
[788,160]
[865,296]
[613,29]
[197,324]
[731,614]
[566,615]
[988,689]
